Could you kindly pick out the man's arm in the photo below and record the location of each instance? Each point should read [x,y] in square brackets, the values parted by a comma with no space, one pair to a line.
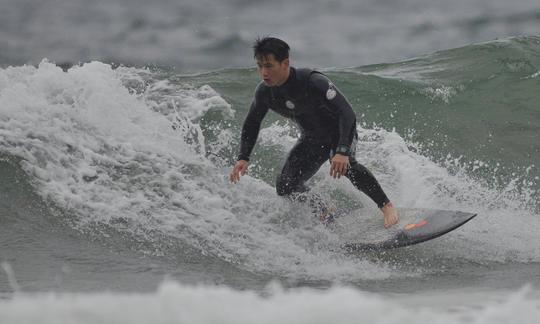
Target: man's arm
[250,132]
[336,102]
[252,124]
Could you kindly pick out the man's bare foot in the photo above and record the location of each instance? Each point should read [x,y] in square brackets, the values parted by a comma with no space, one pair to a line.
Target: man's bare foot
[390,215]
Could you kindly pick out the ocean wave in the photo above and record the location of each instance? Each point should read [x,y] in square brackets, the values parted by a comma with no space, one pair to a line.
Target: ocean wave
[147,152]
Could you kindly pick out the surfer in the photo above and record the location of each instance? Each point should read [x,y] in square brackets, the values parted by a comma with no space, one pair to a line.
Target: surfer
[327,124]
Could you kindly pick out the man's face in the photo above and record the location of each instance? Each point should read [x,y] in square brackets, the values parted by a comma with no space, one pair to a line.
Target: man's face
[272,72]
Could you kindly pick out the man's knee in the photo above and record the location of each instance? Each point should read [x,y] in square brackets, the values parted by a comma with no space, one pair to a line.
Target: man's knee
[283,187]
[286,186]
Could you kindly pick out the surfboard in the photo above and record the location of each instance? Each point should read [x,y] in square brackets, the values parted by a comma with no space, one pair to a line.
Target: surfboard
[361,233]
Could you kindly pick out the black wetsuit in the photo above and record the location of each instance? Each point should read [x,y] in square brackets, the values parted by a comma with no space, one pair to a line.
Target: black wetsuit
[327,124]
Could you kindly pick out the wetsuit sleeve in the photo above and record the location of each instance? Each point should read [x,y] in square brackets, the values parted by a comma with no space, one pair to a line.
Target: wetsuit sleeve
[338,104]
[252,123]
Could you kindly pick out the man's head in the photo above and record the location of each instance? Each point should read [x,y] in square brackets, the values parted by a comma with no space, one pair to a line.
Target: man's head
[272,55]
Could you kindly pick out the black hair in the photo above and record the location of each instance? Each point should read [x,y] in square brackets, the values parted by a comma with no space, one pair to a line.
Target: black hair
[271,45]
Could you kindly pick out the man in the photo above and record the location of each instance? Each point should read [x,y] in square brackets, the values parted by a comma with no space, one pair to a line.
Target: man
[327,124]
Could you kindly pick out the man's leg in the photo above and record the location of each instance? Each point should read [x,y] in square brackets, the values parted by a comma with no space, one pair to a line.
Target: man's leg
[361,178]
[304,160]
[364,180]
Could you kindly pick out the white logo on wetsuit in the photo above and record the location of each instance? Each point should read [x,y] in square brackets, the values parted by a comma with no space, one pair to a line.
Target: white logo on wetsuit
[289,104]
[331,92]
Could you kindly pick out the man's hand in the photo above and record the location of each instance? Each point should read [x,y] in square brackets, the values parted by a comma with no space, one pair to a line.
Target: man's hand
[240,168]
[340,164]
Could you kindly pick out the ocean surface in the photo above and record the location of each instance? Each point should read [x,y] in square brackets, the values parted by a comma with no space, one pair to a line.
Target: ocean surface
[120,121]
